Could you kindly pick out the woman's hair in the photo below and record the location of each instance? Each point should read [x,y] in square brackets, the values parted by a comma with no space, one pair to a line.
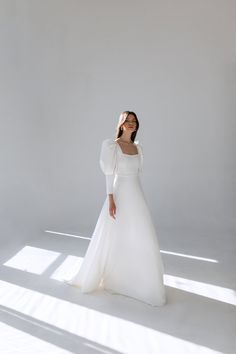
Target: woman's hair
[123,116]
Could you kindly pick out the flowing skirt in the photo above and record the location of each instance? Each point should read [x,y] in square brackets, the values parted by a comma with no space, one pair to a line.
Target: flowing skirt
[123,256]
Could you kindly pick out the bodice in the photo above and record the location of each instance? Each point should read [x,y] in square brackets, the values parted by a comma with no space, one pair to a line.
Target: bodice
[126,164]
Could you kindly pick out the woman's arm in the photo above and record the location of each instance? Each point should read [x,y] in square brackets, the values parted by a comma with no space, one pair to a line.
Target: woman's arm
[112,206]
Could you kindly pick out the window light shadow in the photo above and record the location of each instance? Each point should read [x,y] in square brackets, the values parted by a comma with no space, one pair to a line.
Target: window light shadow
[37,260]
[25,328]
[204,289]
[68,268]
[66,234]
[32,259]
[190,256]
[9,346]
[98,327]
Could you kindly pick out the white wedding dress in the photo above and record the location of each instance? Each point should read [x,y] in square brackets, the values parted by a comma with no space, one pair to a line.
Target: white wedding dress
[123,256]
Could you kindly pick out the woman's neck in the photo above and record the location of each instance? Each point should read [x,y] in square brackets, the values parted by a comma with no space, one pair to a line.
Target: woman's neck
[126,138]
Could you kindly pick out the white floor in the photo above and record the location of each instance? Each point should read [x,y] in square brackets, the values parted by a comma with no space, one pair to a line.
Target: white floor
[41,314]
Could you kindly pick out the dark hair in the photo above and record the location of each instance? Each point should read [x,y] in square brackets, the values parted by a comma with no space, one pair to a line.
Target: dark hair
[123,116]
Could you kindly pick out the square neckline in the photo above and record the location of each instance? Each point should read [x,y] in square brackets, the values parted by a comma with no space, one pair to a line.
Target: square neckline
[124,152]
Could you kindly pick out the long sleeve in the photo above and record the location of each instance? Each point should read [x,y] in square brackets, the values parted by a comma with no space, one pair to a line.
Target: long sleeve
[140,151]
[108,162]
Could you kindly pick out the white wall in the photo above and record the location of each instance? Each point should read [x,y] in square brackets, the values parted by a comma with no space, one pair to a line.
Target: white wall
[67,70]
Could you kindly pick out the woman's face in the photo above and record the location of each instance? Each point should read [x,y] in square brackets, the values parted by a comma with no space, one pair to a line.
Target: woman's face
[129,123]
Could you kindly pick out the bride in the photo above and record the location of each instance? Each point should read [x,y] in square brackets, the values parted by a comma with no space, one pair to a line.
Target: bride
[123,256]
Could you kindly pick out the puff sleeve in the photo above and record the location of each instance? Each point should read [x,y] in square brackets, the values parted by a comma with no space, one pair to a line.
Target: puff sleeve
[108,158]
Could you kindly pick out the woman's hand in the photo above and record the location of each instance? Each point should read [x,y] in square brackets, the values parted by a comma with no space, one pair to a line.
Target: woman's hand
[112,206]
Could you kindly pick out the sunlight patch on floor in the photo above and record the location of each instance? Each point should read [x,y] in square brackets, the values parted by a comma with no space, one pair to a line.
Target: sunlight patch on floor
[16,341]
[32,259]
[214,292]
[69,267]
[98,327]
[190,256]
[65,234]
[37,260]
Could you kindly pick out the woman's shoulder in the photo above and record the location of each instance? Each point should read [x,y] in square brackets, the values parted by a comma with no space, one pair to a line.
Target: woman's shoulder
[138,144]
[109,143]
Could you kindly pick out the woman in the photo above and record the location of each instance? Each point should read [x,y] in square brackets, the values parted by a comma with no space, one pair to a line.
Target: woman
[123,256]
